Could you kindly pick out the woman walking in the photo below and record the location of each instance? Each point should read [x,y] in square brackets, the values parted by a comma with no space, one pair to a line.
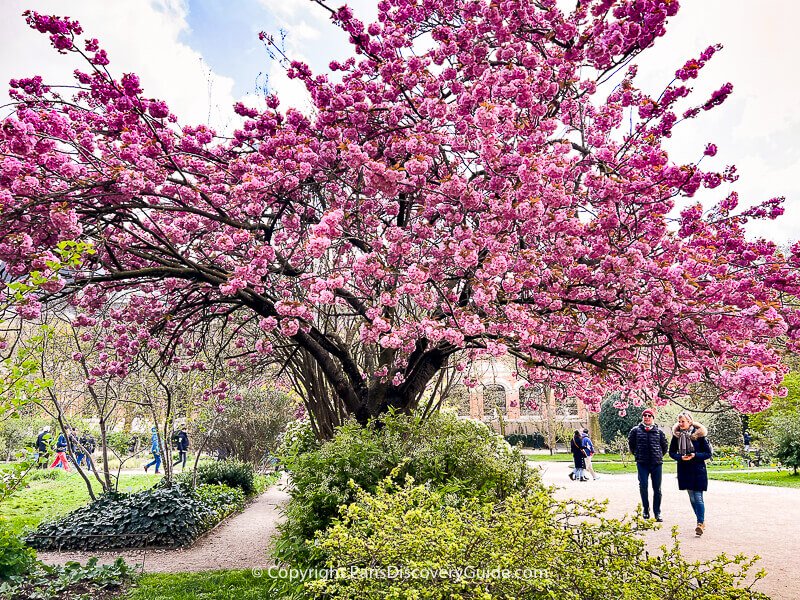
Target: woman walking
[578,456]
[690,448]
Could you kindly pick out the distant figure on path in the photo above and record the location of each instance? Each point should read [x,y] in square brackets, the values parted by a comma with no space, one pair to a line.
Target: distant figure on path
[61,453]
[578,456]
[42,450]
[747,440]
[88,446]
[155,448]
[691,449]
[588,449]
[648,444]
[182,445]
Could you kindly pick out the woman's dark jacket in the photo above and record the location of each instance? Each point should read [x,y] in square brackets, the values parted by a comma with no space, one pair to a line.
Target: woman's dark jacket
[692,473]
[578,454]
[648,447]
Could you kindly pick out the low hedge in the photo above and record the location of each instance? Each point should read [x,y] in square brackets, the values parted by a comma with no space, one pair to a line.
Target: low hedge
[233,473]
[164,517]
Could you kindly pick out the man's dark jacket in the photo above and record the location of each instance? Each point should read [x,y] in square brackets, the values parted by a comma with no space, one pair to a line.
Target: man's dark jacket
[648,447]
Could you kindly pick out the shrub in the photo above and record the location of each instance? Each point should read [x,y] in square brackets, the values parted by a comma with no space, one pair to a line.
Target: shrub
[165,516]
[298,438]
[233,473]
[15,557]
[785,439]
[462,458]
[548,548]
[725,428]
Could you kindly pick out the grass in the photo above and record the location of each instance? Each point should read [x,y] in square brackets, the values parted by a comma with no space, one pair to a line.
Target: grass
[776,478]
[207,585]
[54,493]
[567,458]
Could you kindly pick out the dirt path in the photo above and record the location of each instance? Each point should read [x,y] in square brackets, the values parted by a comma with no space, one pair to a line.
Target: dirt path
[240,542]
[740,518]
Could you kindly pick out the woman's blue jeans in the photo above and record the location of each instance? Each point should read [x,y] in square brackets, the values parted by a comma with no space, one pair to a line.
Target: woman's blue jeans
[696,498]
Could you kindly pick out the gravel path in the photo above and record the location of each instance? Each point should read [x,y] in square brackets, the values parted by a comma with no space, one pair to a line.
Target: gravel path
[240,542]
[740,518]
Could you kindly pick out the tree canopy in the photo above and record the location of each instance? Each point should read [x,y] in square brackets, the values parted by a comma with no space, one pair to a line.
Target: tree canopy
[479,178]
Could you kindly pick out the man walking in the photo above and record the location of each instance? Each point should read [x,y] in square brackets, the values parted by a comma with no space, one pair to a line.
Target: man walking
[42,448]
[648,444]
[155,449]
[182,446]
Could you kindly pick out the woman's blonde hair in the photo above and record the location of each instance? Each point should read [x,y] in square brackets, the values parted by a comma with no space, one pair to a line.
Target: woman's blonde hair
[686,414]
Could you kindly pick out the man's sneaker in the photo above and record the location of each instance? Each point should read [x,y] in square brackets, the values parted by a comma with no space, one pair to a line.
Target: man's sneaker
[658,518]
[572,475]
[646,515]
[584,479]
[700,528]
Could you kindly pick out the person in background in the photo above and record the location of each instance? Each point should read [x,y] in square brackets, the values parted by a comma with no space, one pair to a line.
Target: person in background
[182,446]
[76,447]
[88,446]
[42,450]
[690,448]
[155,448]
[588,449]
[61,453]
[747,440]
[578,456]
[648,444]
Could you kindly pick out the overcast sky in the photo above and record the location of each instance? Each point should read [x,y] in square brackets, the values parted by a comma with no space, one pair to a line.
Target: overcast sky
[203,55]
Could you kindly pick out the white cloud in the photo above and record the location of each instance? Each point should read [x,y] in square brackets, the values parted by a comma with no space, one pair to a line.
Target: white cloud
[140,37]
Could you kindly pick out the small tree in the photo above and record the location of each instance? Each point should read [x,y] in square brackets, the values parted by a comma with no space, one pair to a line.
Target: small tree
[248,428]
[619,445]
[786,439]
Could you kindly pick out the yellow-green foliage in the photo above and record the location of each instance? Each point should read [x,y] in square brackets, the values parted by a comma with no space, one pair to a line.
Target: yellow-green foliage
[527,546]
[459,458]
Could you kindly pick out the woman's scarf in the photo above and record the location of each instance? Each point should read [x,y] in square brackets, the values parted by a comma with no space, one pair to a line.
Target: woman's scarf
[685,445]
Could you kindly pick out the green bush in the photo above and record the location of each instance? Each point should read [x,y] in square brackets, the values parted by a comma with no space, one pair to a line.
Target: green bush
[233,473]
[461,458]
[298,438]
[528,546]
[725,428]
[167,516]
[15,557]
[785,439]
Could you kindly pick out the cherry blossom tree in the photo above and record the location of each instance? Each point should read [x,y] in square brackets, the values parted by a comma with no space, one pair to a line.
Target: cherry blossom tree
[479,178]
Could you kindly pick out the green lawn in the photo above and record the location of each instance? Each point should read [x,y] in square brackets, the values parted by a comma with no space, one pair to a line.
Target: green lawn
[47,499]
[776,478]
[208,585]
[567,458]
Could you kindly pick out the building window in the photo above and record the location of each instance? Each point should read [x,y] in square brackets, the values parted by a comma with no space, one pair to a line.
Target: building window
[531,400]
[494,398]
[569,407]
